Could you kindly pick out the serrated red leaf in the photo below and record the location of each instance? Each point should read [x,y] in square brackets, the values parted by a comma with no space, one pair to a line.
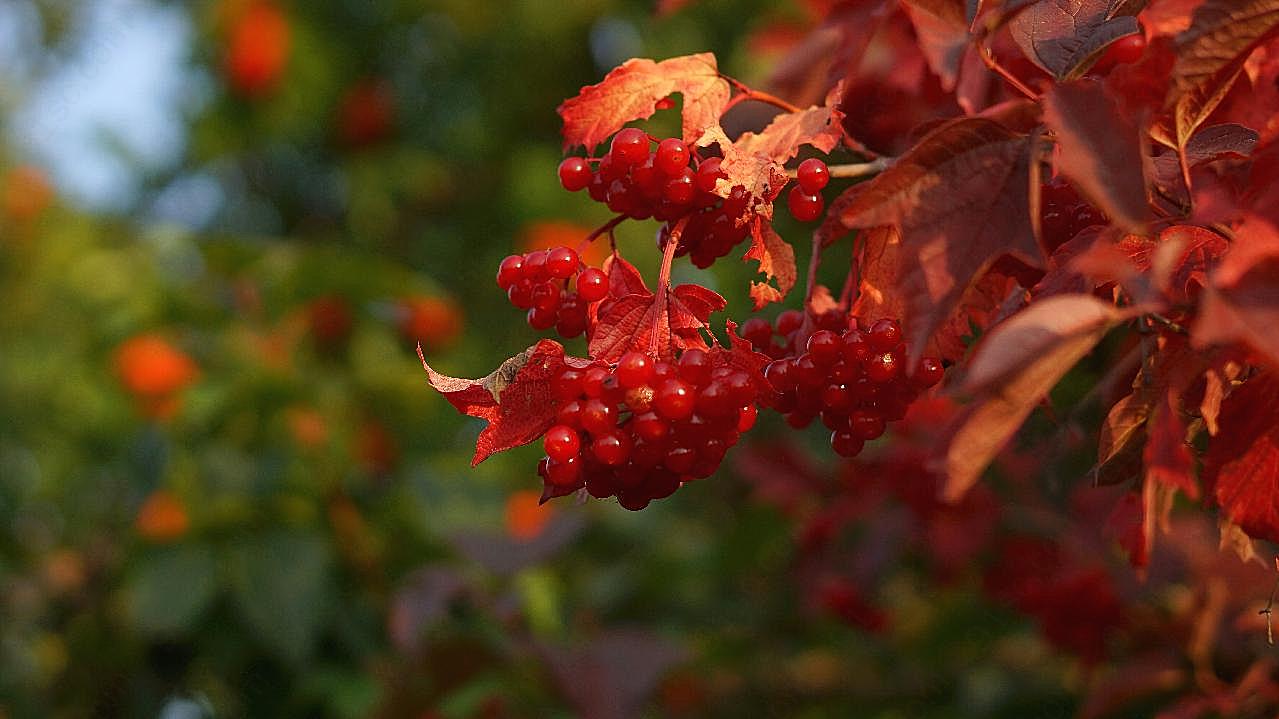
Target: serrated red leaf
[623,277]
[1015,365]
[776,262]
[1101,151]
[762,177]
[632,89]
[1061,36]
[942,30]
[789,131]
[1241,302]
[960,201]
[639,322]
[515,399]
[1211,54]
[1241,468]
[1206,145]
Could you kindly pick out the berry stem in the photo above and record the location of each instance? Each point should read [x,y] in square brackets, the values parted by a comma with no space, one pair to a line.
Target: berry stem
[856,169]
[993,65]
[607,227]
[814,261]
[664,279]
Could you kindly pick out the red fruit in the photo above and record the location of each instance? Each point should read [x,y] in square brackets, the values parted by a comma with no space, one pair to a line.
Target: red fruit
[520,294]
[546,296]
[257,50]
[629,147]
[510,271]
[593,381]
[1124,51]
[746,417]
[567,473]
[679,190]
[612,448]
[598,417]
[778,373]
[695,367]
[866,425]
[535,265]
[567,385]
[561,262]
[716,400]
[366,113]
[824,347]
[883,367]
[649,427]
[845,443]
[804,206]
[708,175]
[672,156]
[561,443]
[928,373]
[149,366]
[757,331]
[789,321]
[634,369]
[541,318]
[813,175]
[592,285]
[575,174]
[674,400]
[885,334]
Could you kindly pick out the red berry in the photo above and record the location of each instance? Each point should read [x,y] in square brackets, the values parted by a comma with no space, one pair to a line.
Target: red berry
[865,425]
[612,448]
[813,175]
[674,400]
[883,367]
[575,174]
[540,318]
[708,175]
[746,418]
[680,459]
[695,367]
[837,397]
[856,347]
[845,443]
[672,156]
[928,373]
[546,296]
[535,265]
[593,381]
[561,442]
[567,384]
[715,400]
[1125,50]
[598,416]
[757,331]
[629,147]
[824,346]
[567,473]
[561,262]
[510,271]
[804,206]
[779,375]
[885,334]
[570,414]
[649,427]
[632,500]
[592,285]
[679,189]
[789,321]
[520,294]
[634,369]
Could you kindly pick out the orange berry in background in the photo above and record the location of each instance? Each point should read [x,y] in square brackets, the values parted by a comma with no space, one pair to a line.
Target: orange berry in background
[526,517]
[151,368]
[257,49]
[366,113]
[307,427]
[544,235]
[330,320]
[162,517]
[25,192]
[436,322]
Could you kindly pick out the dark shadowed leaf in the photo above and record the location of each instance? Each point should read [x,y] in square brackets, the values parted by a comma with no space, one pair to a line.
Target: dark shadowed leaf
[623,667]
[1241,303]
[1241,469]
[168,590]
[1061,36]
[1101,151]
[280,584]
[959,199]
[942,30]
[631,90]
[1166,457]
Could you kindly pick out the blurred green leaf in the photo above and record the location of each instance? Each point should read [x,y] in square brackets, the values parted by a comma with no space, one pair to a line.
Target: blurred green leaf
[280,584]
[168,590]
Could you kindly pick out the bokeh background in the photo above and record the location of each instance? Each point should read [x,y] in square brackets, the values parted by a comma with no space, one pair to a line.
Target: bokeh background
[226,489]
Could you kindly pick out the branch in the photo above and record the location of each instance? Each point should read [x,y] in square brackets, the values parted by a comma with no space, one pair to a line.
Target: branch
[746,93]
[607,227]
[993,65]
[664,277]
[856,169]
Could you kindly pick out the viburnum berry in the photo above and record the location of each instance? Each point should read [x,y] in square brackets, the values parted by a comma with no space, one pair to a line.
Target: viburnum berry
[539,281]
[592,285]
[629,147]
[672,156]
[813,175]
[575,174]
[804,206]
[1063,214]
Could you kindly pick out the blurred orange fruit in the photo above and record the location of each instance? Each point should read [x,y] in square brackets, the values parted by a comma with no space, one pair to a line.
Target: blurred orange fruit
[526,516]
[436,322]
[162,517]
[331,321]
[307,426]
[544,235]
[153,370]
[257,49]
[366,113]
[25,192]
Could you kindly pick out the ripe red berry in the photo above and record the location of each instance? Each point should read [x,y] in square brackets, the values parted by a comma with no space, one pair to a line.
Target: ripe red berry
[567,385]
[593,381]
[598,416]
[649,427]
[866,425]
[746,417]
[567,473]
[561,443]
[778,374]
[789,321]
[883,367]
[672,156]
[845,443]
[709,174]
[634,369]
[629,147]
[592,285]
[928,373]
[813,175]
[679,190]
[885,334]
[1125,50]
[575,173]
[510,271]
[824,346]
[546,296]
[520,294]
[535,265]
[695,367]
[561,262]
[541,318]
[674,399]
[612,448]
[757,331]
[804,206]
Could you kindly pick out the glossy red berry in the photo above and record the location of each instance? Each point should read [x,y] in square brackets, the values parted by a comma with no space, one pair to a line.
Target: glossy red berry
[674,399]
[592,284]
[883,367]
[709,174]
[866,425]
[541,318]
[612,448]
[679,189]
[575,174]
[634,369]
[561,262]
[813,175]
[824,346]
[629,147]
[804,206]
[561,442]
[928,373]
[672,156]
[885,334]
[789,321]
[695,367]
[598,416]
[510,271]
[535,265]
[567,473]
[845,443]
[567,385]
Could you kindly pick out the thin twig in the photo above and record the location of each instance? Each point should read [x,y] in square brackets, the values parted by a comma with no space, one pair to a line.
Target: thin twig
[607,227]
[758,95]
[993,65]
[856,169]
[1268,611]
[664,279]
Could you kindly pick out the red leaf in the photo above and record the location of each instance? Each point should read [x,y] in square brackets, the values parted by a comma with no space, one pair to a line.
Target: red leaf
[1241,468]
[1015,365]
[1210,55]
[623,278]
[942,30]
[631,90]
[782,138]
[960,201]
[1206,145]
[1241,302]
[1167,458]
[1100,151]
[515,399]
[760,175]
[776,261]
[1062,35]
[630,322]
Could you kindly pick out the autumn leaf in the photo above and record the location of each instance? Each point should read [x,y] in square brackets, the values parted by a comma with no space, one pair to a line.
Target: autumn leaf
[631,90]
[789,131]
[1061,36]
[1101,151]
[761,176]
[1206,145]
[1241,468]
[1241,302]
[1211,54]
[942,30]
[1015,365]
[515,399]
[960,201]
[776,262]
[1166,457]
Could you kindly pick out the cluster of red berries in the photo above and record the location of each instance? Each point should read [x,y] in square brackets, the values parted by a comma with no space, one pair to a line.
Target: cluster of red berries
[641,428]
[852,377]
[805,199]
[539,282]
[1063,213]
